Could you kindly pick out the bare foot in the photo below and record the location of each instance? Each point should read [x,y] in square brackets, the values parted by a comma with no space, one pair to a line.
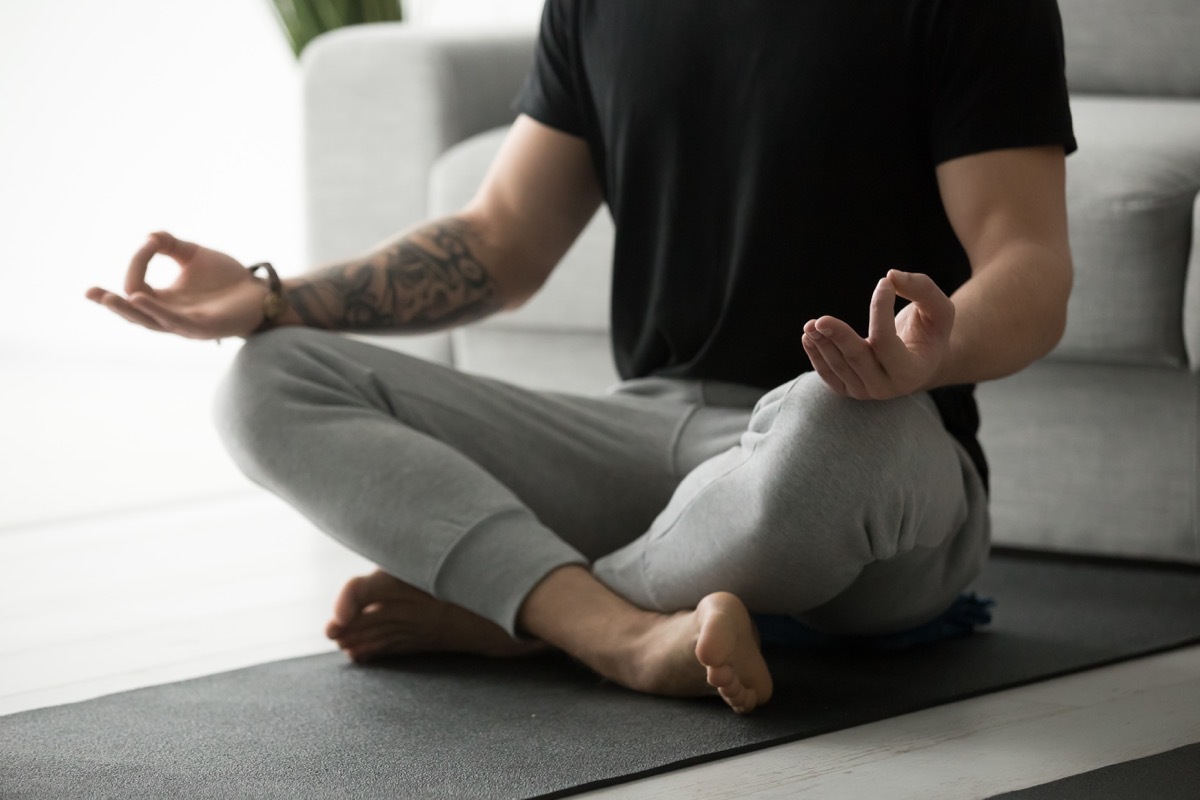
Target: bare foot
[712,648]
[728,649]
[377,616]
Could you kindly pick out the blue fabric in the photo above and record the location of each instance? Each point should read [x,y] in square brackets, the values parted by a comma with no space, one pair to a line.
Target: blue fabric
[967,613]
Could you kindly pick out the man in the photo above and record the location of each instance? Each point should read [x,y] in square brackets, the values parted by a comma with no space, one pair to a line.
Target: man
[778,174]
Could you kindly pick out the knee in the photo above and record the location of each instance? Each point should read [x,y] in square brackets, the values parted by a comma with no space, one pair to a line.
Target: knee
[257,371]
[819,432]
[837,460]
[258,379]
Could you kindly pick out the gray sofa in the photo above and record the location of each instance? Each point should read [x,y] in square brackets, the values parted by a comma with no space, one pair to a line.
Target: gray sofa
[1095,449]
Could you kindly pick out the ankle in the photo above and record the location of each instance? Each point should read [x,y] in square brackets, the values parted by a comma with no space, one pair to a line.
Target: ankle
[667,642]
[572,611]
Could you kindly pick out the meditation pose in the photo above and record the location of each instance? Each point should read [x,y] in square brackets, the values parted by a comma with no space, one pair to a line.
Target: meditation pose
[788,437]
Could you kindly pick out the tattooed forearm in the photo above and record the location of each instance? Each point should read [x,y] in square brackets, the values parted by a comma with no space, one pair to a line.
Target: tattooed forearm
[427,280]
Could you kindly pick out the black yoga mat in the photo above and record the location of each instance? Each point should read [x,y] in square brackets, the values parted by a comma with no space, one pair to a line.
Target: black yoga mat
[442,727]
[1173,775]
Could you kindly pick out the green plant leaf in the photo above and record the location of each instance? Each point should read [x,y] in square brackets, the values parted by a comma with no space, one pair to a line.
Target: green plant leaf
[304,20]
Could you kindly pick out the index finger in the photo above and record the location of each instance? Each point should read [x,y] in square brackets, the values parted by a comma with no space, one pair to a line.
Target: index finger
[157,242]
[882,327]
[135,275]
[921,289]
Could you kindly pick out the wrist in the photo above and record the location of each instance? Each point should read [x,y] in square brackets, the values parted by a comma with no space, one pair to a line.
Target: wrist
[946,373]
[274,303]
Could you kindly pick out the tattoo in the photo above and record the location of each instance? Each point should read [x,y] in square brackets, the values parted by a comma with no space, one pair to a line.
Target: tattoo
[429,279]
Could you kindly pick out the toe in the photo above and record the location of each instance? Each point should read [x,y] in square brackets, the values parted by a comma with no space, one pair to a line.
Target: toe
[731,689]
[745,703]
[349,603]
[359,655]
[720,676]
[361,650]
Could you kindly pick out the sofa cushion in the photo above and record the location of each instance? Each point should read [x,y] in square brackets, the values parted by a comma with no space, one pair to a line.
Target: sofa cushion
[559,339]
[1130,193]
[576,296]
[1095,458]
[1132,46]
[579,362]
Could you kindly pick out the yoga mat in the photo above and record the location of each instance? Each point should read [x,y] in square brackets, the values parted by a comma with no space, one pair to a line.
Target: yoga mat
[450,727]
[1173,775]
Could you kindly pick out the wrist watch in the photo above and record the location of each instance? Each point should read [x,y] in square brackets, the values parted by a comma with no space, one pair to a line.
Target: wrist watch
[274,303]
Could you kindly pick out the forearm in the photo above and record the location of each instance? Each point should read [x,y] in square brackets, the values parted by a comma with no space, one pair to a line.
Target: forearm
[438,275]
[1009,314]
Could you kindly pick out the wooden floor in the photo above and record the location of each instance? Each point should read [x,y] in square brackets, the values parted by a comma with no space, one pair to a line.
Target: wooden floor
[132,599]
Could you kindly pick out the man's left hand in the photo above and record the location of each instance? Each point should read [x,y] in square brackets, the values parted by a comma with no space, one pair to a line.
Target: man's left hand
[902,352]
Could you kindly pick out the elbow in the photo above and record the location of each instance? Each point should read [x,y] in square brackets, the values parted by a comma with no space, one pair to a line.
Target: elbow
[519,291]
[1059,297]
[1055,330]
[516,269]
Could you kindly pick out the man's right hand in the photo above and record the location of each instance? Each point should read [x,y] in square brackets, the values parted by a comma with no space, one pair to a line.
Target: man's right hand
[213,297]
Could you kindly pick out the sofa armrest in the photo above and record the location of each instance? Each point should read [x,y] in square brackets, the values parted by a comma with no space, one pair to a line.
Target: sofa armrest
[1191,294]
[381,102]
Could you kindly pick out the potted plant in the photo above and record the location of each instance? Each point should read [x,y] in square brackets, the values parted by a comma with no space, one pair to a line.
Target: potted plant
[303,20]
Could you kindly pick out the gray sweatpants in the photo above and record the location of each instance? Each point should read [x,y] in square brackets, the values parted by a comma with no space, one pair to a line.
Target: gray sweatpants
[856,517]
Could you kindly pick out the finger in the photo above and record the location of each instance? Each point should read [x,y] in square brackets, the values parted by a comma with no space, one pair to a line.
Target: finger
[120,306]
[178,249]
[881,334]
[858,357]
[882,325]
[168,318]
[837,365]
[135,275]
[931,301]
[157,242]
[820,365]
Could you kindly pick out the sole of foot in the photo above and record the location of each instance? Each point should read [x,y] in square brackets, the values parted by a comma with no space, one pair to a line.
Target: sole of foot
[727,647]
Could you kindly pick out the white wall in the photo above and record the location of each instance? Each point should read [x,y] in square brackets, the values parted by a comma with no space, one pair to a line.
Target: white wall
[123,117]
[116,119]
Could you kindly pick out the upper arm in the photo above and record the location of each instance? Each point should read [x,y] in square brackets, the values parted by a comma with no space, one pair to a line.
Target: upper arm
[1008,209]
[1006,202]
[538,195]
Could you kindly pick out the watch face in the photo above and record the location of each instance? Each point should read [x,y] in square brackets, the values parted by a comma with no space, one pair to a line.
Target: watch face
[273,306]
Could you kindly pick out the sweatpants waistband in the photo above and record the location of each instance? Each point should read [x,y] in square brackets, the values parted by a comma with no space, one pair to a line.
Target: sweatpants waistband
[692,391]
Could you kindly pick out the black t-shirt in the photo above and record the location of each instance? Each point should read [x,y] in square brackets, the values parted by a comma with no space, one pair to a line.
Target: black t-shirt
[767,161]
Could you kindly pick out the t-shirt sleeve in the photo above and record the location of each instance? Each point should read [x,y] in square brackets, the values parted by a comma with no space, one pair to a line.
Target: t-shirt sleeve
[997,78]
[550,94]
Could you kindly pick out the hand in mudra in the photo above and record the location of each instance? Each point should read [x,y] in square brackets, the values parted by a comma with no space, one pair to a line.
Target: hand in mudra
[213,297]
[900,355]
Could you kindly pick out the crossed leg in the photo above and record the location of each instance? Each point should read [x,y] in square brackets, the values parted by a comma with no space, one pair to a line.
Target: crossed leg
[497,514]
[355,436]
[712,648]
